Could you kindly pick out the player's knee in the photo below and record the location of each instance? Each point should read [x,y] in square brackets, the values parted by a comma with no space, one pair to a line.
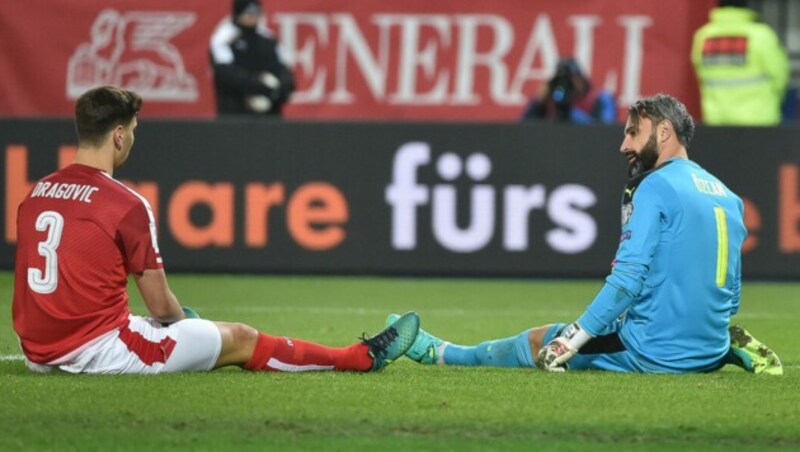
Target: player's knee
[237,336]
[244,336]
[238,343]
[482,353]
[536,339]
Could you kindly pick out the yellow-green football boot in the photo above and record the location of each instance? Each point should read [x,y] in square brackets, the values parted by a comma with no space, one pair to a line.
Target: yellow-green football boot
[755,356]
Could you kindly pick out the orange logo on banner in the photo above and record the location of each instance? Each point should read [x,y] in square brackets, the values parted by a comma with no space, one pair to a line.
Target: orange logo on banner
[752,222]
[219,198]
[259,199]
[789,208]
[17,185]
[315,214]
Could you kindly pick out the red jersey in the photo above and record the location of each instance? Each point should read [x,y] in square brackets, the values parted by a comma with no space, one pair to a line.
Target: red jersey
[79,233]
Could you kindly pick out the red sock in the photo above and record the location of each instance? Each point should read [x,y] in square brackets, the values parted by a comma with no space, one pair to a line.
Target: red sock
[281,354]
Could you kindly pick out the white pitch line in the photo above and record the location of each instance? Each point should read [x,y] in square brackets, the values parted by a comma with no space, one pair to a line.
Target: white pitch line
[12,357]
[373,311]
[555,312]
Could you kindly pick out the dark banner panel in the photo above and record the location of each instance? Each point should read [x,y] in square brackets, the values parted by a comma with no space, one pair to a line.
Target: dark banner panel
[444,199]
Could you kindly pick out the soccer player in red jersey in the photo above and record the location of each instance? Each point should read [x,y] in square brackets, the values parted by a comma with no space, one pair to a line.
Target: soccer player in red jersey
[81,233]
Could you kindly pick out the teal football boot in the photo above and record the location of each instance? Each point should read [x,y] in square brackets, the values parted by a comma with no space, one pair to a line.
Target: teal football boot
[425,349]
[393,342]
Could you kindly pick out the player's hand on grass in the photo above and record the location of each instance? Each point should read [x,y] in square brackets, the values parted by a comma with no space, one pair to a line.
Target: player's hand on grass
[554,355]
[190,313]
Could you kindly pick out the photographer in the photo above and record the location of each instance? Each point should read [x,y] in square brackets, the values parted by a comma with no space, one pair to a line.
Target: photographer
[569,97]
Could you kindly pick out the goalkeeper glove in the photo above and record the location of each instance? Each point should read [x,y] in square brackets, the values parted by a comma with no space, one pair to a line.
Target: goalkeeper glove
[553,357]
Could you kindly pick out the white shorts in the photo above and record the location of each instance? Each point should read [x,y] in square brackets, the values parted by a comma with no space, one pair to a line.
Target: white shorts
[144,346]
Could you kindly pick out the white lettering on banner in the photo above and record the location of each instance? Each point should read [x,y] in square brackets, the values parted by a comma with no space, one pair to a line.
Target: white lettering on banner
[132,50]
[575,230]
[634,50]
[303,57]
[374,68]
[468,58]
[412,57]
[445,226]
[404,194]
[578,229]
[415,44]
[526,199]
[584,39]
[541,40]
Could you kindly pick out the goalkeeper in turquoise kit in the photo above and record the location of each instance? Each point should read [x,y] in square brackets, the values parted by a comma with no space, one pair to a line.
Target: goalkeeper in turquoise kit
[676,278]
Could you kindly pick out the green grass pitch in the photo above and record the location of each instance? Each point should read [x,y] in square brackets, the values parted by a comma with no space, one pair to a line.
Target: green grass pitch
[407,406]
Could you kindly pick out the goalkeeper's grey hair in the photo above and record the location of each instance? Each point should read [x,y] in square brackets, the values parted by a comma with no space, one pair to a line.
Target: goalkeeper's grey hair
[663,107]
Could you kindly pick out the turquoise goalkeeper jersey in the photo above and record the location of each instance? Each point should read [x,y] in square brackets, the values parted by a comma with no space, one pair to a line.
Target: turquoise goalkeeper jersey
[676,277]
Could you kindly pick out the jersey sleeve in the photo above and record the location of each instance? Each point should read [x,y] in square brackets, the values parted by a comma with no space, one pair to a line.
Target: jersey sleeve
[644,211]
[137,237]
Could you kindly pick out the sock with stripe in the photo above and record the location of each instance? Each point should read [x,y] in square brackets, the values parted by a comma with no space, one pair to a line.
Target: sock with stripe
[282,354]
[514,351]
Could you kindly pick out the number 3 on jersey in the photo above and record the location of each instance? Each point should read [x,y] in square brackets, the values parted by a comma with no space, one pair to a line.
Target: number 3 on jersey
[45,281]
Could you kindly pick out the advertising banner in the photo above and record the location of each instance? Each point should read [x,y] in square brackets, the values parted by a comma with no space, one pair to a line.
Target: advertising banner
[353,59]
[406,199]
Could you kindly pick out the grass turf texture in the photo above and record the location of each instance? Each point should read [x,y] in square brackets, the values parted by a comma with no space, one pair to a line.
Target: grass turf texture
[407,405]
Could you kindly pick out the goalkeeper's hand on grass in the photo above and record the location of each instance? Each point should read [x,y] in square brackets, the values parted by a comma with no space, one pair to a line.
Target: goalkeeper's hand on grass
[554,355]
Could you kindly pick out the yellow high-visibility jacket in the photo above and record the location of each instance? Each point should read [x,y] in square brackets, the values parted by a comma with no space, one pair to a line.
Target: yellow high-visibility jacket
[742,68]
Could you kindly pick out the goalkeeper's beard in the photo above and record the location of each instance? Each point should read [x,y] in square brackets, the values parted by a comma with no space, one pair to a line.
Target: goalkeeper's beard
[644,160]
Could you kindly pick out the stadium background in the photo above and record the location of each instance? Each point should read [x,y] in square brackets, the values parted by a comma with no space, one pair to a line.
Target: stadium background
[393,160]
[332,188]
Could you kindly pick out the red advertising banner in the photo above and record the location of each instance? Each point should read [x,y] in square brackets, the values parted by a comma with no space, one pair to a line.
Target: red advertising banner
[353,59]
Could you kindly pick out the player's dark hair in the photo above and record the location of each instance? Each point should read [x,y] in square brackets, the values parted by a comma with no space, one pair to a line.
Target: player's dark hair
[663,107]
[101,109]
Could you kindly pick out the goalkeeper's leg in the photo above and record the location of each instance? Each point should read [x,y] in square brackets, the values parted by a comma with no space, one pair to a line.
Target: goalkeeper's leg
[513,351]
